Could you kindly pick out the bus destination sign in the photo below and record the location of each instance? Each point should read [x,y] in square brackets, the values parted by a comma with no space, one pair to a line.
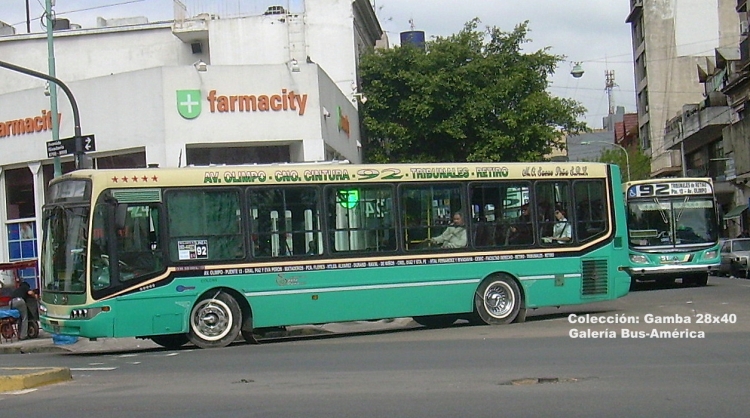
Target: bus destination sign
[682,188]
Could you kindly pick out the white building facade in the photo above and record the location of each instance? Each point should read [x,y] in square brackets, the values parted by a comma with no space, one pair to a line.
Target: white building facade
[278,87]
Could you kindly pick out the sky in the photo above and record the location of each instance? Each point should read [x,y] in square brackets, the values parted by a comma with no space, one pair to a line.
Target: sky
[590,32]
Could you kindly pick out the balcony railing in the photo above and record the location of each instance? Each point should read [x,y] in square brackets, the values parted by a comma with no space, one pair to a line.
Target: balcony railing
[636,8]
[744,52]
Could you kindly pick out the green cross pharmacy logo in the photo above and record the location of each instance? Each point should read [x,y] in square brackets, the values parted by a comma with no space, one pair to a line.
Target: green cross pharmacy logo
[189,103]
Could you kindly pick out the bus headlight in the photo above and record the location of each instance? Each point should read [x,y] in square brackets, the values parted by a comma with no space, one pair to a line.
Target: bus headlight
[79,313]
[710,254]
[87,313]
[638,259]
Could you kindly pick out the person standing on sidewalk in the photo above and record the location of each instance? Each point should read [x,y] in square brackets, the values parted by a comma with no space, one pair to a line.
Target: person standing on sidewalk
[20,296]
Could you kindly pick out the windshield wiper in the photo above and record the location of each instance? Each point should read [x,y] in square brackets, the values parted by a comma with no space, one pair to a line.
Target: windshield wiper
[682,209]
[662,212]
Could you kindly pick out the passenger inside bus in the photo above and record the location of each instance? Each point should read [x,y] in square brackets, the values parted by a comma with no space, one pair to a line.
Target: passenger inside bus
[454,235]
[561,231]
[520,232]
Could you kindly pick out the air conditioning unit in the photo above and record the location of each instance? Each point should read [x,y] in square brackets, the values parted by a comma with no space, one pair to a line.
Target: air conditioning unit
[744,27]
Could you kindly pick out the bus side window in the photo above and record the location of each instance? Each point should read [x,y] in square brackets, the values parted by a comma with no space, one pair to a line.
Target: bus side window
[500,211]
[361,218]
[285,222]
[428,211]
[204,225]
[556,220]
[589,197]
[138,249]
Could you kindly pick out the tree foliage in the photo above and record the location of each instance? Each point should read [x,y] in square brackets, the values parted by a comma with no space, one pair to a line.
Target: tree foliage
[471,96]
[638,162]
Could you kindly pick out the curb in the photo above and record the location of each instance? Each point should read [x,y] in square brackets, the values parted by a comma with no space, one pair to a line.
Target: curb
[12,379]
[32,349]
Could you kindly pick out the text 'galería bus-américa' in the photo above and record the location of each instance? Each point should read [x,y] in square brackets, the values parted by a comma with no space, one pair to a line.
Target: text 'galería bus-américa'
[206,254]
[673,229]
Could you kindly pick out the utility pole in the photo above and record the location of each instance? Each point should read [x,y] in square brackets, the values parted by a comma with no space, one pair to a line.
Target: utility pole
[49,15]
[609,80]
[28,18]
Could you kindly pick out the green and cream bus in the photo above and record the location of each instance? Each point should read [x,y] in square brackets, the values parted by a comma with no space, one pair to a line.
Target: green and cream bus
[673,229]
[208,254]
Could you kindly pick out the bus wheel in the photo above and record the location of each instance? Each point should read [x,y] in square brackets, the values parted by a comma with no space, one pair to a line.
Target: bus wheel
[701,280]
[215,321]
[497,300]
[171,341]
[250,337]
[435,321]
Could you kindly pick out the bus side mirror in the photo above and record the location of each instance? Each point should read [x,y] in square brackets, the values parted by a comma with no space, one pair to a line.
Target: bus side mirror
[121,212]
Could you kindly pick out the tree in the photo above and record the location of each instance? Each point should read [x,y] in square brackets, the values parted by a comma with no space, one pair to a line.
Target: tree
[472,96]
[640,163]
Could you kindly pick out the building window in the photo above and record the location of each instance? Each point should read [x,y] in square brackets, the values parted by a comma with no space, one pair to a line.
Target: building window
[133,160]
[21,230]
[22,246]
[238,155]
[19,189]
[645,136]
[22,241]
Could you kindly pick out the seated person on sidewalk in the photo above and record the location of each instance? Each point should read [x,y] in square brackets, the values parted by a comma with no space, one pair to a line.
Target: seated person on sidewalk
[21,296]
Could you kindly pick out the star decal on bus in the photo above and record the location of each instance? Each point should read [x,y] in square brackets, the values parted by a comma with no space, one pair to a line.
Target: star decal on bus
[134,179]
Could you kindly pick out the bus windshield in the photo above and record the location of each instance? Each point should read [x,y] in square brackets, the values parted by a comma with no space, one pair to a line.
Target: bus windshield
[64,248]
[671,222]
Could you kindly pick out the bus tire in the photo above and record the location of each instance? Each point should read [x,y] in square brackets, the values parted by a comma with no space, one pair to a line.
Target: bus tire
[171,341]
[701,280]
[215,321]
[521,317]
[497,301]
[435,321]
[250,337]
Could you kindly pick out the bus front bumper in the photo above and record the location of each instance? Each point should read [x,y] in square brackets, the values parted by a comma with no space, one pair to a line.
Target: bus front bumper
[100,327]
[672,270]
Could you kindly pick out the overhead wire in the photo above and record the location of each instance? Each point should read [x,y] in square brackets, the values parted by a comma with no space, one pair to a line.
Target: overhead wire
[79,10]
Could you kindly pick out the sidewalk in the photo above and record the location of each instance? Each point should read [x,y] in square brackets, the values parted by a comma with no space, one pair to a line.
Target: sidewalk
[22,378]
[15,379]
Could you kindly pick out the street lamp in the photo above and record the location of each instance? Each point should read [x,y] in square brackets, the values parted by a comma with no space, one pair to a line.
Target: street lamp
[577,71]
[73,105]
[627,157]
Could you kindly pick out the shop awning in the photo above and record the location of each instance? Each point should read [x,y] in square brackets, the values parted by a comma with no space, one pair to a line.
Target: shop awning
[736,212]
